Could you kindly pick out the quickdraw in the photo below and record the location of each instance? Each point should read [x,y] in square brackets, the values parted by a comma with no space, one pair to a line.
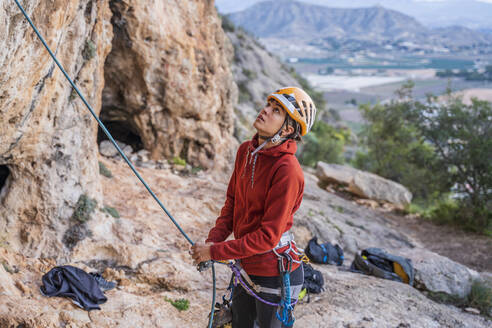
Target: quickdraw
[285,305]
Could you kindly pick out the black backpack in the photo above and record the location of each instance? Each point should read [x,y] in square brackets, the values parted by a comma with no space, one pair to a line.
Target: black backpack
[313,279]
[324,253]
[377,262]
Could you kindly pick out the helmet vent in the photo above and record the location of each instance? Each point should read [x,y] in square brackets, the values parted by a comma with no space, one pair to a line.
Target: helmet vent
[292,100]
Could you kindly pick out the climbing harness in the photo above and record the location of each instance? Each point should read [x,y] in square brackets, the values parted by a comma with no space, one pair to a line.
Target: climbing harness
[286,304]
[201,266]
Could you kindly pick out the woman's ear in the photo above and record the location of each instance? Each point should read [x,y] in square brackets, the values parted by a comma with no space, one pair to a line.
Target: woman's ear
[287,130]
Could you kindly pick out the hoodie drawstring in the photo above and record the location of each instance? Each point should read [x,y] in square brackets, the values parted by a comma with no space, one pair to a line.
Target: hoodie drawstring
[254,157]
[253,169]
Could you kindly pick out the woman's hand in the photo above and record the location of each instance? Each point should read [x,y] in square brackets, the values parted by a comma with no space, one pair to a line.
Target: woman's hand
[200,252]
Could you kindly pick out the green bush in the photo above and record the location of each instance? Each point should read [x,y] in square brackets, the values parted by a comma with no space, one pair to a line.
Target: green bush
[84,208]
[451,211]
[244,95]
[227,24]
[196,169]
[179,161]
[249,74]
[90,50]
[241,35]
[480,297]
[73,95]
[434,148]
[323,143]
[181,304]
[111,211]
[444,298]
[103,170]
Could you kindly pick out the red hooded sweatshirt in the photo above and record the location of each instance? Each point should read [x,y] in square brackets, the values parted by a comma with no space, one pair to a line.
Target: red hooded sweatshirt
[264,192]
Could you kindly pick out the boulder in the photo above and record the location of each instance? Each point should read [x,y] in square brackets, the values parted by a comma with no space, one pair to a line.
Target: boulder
[128,150]
[334,173]
[106,148]
[436,273]
[364,184]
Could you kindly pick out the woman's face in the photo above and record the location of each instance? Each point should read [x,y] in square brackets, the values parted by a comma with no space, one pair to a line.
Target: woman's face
[270,119]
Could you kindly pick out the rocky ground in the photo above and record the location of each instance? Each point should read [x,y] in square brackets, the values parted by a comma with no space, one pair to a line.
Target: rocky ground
[472,250]
[143,252]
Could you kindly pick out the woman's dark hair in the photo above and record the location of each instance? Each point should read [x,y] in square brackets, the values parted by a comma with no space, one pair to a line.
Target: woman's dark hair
[296,135]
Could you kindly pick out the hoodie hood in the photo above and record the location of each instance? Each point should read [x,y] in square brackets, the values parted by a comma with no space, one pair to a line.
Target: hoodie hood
[289,146]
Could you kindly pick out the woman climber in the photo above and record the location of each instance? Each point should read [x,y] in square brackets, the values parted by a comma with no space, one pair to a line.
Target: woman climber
[264,192]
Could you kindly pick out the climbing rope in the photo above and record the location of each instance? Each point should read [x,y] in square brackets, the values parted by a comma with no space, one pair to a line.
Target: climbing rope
[202,266]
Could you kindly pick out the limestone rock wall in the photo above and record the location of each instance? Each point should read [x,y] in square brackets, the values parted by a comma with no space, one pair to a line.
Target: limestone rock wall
[168,79]
[47,137]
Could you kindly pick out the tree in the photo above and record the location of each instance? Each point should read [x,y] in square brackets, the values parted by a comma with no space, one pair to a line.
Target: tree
[397,150]
[462,138]
[434,147]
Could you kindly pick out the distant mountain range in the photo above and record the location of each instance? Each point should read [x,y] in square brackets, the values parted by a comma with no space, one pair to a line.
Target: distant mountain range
[474,14]
[291,19]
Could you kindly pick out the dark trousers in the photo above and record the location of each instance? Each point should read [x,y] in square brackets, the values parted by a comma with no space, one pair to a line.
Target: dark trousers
[248,312]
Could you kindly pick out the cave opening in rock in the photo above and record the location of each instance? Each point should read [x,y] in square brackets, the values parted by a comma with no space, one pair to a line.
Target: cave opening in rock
[4,174]
[123,132]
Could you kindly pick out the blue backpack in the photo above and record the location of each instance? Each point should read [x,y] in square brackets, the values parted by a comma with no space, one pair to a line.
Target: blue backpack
[324,253]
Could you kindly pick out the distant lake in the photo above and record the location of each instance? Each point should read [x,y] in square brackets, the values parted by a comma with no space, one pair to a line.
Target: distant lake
[385,63]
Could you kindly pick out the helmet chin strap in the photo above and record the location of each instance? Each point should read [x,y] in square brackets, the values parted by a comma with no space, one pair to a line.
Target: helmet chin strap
[276,138]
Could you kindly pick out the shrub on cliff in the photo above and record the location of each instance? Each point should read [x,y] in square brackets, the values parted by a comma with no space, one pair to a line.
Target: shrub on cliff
[84,208]
[227,24]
